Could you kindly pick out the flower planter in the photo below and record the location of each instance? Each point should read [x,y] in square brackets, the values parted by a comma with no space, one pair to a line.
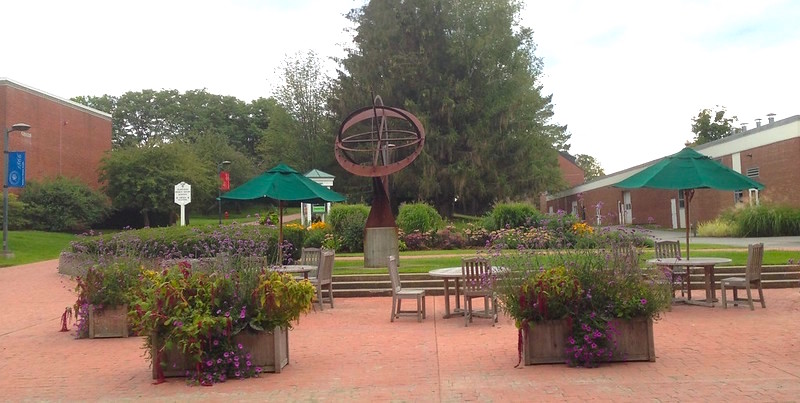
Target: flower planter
[546,342]
[269,350]
[109,321]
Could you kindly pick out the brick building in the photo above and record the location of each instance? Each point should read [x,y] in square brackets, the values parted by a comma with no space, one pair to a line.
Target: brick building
[572,173]
[65,139]
[768,153]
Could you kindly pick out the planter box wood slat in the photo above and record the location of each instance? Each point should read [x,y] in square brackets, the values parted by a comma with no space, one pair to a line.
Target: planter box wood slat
[110,321]
[546,342]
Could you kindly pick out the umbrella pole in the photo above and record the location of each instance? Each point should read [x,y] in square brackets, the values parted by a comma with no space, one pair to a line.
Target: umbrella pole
[687,197]
[280,234]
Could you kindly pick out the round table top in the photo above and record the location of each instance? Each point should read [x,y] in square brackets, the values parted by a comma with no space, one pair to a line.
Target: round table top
[295,268]
[453,271]
[692,261]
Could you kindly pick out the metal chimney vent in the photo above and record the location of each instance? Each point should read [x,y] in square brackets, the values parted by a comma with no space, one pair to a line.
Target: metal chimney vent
[771,118]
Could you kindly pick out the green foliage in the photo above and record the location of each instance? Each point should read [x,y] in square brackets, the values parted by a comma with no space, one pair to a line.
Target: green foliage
[295,234]
[110,284]
[196,311]
[347,225]
[718,227]
[765,220]
[467,70]
[63,205]
[314,238]
[590,287]
[418,217]
[591,167]
[17,214]
[708,129]
[513,215]
[144,178]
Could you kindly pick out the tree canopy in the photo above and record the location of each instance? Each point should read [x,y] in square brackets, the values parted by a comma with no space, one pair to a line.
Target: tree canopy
[467,69]
[711,125]
[591,167]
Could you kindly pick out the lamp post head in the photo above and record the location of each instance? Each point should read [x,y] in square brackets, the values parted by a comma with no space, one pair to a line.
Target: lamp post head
[224,163]
[20,127]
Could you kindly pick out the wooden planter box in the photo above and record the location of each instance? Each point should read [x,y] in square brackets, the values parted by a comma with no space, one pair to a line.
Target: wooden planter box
[268,350]
[546,342]
[110,321]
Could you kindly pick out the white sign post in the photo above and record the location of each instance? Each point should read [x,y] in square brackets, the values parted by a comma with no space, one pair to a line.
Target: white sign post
[183,196]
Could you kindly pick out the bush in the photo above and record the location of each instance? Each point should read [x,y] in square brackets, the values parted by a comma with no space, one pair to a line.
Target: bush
[418,217]
[183,242]
[347,225]
[314,238]
[765,220]
[513,215]
[63,205]
[16,213]
[718,227]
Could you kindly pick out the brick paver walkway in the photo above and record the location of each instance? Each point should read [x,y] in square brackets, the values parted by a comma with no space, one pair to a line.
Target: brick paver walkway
[353,353]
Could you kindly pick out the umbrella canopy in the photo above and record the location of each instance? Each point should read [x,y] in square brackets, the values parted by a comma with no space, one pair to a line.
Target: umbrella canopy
[688,170]
[283,183]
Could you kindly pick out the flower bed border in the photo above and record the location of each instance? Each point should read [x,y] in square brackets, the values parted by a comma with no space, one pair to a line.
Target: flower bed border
[546,342]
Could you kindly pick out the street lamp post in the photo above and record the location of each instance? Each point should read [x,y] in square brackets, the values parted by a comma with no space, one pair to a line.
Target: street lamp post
[219,188]
[19,127]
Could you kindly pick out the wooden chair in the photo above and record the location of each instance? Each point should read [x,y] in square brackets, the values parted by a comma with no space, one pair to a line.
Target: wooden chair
[477,275]
[324,278]
[310,257]
[670,250]
[752,278]
[399,294]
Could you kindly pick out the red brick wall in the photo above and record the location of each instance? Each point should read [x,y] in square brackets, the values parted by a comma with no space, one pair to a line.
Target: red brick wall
[66,140]
[572,173]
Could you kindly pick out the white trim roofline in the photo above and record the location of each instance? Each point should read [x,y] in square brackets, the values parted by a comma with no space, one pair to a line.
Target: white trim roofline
[57,99]
[770,133]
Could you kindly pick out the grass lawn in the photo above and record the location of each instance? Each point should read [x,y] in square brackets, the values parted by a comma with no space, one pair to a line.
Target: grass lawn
[35,246]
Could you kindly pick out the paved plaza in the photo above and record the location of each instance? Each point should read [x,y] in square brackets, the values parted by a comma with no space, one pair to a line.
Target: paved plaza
[353,353]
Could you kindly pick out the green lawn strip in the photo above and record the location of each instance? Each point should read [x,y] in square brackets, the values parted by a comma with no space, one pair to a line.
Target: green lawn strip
[35,246]
[425,264]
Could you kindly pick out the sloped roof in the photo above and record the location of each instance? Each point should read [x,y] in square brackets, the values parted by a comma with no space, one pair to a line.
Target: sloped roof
[316,173]
[62,101]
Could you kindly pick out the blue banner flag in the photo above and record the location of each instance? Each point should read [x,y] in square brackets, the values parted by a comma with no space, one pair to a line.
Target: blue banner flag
[16,169]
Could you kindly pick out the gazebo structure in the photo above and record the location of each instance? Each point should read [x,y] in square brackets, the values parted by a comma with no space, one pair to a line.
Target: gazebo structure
[308,210]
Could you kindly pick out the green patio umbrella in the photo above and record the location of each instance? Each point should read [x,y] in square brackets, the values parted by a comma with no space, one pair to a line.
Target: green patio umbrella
[688,170]
[283,184]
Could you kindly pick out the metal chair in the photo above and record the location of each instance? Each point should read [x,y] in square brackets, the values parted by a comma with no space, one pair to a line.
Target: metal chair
[324,278]
[672,250]
[752,278]
[477,275]
[399,294]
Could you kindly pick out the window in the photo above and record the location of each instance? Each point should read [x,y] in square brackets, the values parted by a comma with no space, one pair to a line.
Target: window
[737,196]
[680,199]
[753,172]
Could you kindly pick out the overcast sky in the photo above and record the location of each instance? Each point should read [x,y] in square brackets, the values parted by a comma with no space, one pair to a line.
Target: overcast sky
[626,76]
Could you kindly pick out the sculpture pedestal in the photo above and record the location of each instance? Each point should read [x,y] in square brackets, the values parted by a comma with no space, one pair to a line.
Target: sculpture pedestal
[379,244]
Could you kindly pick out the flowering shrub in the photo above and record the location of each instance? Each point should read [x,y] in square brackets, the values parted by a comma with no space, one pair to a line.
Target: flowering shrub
[589,288]
[199,312]
[319,225]
[582,229]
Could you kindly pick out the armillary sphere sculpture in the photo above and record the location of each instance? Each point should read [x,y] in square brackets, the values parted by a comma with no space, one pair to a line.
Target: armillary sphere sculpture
[377,141]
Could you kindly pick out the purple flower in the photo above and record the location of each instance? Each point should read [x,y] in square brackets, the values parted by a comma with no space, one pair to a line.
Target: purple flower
[249,363]
[643,301]
[216,342]
[258,370]
[236,364]
[226,354]
[209,363]
[238,374]
[240,346]
[243,313]
[227,314]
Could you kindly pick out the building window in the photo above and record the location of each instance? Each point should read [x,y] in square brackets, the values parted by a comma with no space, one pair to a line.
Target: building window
[753,172]
[680,199]
[737,196]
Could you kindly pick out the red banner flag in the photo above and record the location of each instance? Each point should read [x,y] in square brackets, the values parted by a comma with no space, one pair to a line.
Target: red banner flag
[225,177]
